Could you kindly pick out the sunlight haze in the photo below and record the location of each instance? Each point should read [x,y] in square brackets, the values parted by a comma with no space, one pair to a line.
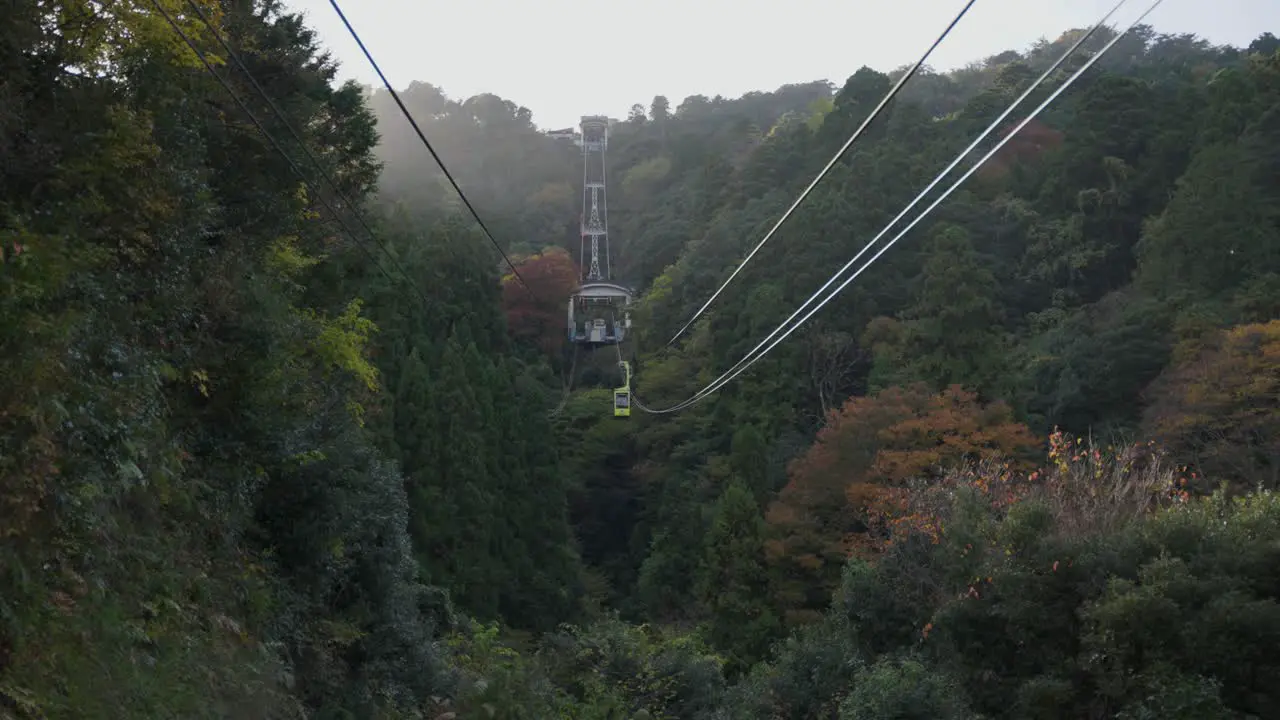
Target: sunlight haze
[566,58]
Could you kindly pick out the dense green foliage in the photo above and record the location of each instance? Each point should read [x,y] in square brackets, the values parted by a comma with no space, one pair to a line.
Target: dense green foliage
[256,462]
[239,467]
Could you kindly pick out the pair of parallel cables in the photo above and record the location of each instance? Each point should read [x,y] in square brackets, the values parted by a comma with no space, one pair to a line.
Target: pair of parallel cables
[756,353]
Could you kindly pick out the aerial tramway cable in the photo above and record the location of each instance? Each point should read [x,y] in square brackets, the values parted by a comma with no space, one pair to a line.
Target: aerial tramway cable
[990,128]
[751,357]
[427,143]
[566,383]
[830,164]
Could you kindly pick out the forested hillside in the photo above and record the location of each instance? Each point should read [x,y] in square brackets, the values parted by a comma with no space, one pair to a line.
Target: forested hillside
[281,436]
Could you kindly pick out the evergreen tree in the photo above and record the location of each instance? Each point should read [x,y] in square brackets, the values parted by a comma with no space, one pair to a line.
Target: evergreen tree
[733,582]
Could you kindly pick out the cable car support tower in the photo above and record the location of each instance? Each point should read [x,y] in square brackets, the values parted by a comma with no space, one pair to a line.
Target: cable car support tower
[600,309]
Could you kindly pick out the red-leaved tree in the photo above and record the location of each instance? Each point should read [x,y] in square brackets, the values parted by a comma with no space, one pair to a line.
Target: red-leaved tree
[869,446]
[538,314]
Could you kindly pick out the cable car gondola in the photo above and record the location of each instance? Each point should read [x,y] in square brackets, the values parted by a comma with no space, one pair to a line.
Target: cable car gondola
[622,395]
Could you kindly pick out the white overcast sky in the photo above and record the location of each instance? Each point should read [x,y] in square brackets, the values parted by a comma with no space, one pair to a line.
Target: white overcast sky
[566,58]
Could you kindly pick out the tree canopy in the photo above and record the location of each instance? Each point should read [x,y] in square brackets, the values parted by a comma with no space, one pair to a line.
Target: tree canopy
[281,435]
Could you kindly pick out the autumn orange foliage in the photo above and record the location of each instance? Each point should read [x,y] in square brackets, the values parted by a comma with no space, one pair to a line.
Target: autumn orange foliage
[870,446]
[539,316]
[1219,409]
[1089,490]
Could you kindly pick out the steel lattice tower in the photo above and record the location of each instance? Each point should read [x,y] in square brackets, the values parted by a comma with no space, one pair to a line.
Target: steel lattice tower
[595,218]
